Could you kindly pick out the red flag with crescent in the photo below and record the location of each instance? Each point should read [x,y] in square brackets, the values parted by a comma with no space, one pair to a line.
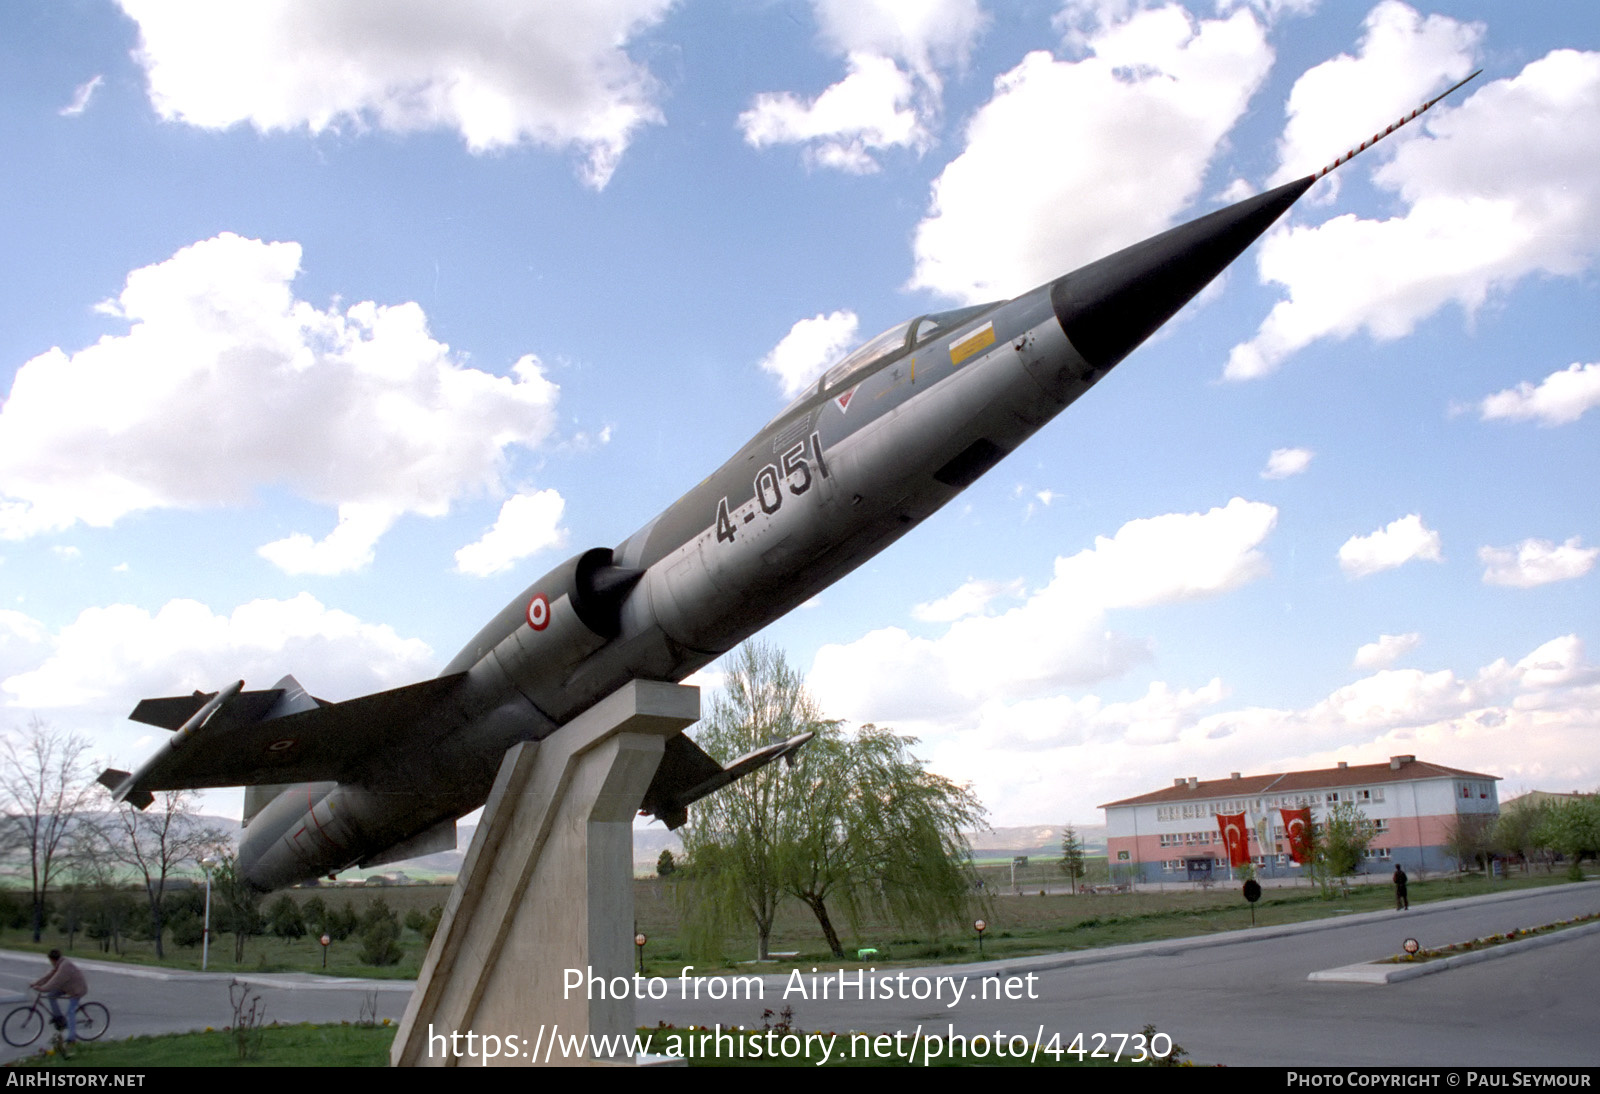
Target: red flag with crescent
[1236,834]
[1297,827]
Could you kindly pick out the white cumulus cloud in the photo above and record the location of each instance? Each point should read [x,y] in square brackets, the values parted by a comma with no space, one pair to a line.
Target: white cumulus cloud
[810,346]
[498,72]
[1532,720]
[1393,545]
[1496,189]
[528,523]
[1388,649]
[1116,144]
[925,35]
[890,97]
[1536,562]
[1403,59]
[1059,635]
[225,383]
[970,599]
[108,654]
[1560,398]
[866,112]
[1285,462]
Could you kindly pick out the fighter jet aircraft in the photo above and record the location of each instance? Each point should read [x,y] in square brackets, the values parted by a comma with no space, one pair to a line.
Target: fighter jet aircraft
[884,439]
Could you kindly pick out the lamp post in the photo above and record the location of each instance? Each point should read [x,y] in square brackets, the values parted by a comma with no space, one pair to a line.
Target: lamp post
[208,864]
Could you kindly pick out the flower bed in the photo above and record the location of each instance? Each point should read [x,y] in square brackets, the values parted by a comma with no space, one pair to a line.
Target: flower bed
[1474,944]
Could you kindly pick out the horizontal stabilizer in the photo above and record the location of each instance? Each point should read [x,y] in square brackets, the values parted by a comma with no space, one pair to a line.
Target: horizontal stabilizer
[686,774]
[224,740]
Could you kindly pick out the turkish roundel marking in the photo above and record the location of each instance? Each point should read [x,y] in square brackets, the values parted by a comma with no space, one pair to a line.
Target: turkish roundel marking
[538,612]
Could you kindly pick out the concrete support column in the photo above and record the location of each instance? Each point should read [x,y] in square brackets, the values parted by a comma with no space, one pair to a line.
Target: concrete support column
[547,886]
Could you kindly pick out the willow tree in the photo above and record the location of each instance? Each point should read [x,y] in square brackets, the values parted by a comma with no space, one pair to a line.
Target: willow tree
[876,833]
[856,823]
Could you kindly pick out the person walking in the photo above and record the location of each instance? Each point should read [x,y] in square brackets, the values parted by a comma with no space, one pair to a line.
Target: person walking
[64,981]
[1401,902]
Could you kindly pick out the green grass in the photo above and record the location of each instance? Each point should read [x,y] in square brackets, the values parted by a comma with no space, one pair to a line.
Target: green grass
[281,1046]
[1018,926]
[1026,925]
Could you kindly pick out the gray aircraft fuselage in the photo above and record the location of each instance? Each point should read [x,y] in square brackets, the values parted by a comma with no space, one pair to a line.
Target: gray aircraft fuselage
[879,444]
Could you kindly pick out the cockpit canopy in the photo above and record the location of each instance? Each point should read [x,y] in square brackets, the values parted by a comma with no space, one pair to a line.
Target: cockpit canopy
[891,343]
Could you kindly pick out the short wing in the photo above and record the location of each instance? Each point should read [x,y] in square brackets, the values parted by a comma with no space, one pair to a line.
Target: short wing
[237,746]
[686,774]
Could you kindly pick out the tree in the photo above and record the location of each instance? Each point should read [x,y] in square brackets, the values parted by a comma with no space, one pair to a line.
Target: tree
[665,864]
[1470,839]
[315,914]
[158,842]
[735,834]
[1073,861]
[1514,832]
[876,832]
[236,906]
[1572,828]
[284,918]
[1340,843]
[855,821]
[44,784]
[92,901]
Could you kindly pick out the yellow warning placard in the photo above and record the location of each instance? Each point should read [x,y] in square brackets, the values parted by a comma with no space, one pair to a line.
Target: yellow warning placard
[976,342]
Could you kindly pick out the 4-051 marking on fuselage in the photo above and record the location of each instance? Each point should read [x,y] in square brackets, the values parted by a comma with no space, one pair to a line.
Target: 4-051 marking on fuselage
[770,482]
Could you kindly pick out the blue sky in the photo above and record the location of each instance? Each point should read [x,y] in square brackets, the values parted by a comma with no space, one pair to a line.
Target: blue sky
[328,329]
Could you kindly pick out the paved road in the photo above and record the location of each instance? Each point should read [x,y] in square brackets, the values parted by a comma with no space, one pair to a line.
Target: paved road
[148,1000]
[1243,998]
[1240,998]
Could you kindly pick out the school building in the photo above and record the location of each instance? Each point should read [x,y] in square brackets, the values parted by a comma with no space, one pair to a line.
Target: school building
[1172,835]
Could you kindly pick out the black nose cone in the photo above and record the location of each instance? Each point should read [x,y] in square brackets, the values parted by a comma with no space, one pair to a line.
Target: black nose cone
[1111,305]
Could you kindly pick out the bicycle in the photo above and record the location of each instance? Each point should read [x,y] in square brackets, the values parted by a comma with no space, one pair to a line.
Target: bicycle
[24,1024]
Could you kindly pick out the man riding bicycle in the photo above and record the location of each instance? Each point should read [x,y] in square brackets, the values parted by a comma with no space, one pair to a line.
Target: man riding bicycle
[64,981]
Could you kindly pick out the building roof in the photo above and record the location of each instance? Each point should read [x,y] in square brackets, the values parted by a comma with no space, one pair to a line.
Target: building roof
[1398,769]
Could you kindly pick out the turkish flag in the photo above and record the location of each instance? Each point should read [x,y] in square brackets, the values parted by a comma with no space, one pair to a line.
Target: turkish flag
[1236,834]
[1297,826]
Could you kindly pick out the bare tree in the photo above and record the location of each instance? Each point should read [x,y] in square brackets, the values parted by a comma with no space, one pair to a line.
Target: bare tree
[91,898]
[160,841]
[45,782]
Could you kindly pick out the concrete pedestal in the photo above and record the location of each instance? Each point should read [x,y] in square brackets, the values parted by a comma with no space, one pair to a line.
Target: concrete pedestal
[547,886]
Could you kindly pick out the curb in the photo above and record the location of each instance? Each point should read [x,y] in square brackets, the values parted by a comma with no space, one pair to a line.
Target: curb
[1373,972]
